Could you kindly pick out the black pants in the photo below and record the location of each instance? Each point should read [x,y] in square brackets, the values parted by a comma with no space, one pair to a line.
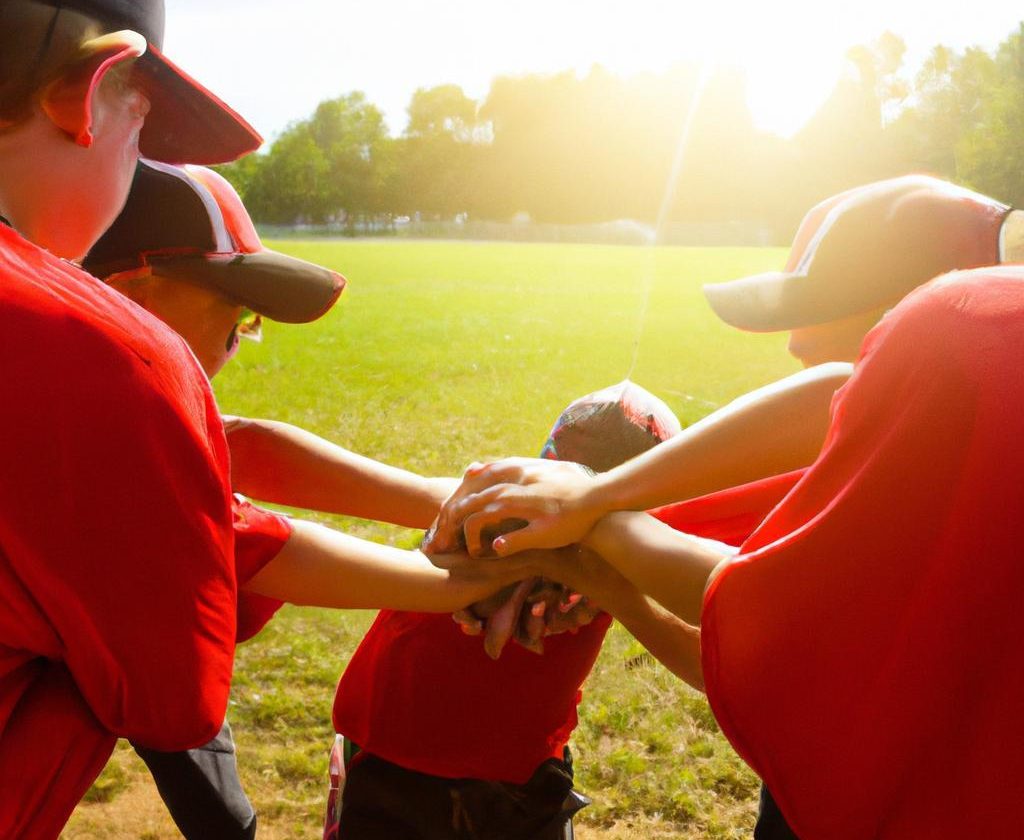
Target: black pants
[383,800]
[771,825]
[202,790]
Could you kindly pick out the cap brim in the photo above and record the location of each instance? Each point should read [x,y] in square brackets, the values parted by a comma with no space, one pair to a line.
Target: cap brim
[272,284]
[780,300]
[186,123]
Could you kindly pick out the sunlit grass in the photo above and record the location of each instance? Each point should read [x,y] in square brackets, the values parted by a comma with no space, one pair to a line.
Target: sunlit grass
[440,354]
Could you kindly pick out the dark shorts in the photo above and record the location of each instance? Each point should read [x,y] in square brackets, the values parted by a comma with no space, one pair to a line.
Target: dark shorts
[202,790]
[381,799]
[771,825]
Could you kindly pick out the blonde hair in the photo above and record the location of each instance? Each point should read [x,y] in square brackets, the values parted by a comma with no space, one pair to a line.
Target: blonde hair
[38,42]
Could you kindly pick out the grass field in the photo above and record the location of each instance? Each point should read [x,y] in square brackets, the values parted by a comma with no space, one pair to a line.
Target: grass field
[440,354]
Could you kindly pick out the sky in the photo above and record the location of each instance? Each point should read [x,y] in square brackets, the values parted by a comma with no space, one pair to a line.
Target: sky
[274,62]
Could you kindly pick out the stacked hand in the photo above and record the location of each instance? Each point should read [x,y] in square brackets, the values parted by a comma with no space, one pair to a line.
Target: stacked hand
[536,606]
[527,612]
[555,502]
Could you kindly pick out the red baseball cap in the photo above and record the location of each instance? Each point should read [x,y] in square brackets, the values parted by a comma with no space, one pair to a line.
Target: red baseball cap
[186,123]
[190,223]
[865,248]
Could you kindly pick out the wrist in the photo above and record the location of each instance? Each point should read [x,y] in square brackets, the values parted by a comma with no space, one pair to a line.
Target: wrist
[437,490]
[594,498]
[602,537]
[606,587]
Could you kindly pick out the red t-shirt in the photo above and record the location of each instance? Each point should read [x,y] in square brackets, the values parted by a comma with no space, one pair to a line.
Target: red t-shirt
[863,653]
[421,694]
[117,573]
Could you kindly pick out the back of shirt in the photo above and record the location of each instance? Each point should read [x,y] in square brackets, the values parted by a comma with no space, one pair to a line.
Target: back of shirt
[116,550]
[863,653]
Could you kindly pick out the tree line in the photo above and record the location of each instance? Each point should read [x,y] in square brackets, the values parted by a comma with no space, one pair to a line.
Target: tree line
[569,149]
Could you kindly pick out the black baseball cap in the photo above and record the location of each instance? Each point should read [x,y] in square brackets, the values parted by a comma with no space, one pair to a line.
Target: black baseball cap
[186,122]
[190,224]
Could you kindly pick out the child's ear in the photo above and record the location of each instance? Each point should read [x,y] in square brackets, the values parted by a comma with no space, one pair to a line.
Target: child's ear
[68,101]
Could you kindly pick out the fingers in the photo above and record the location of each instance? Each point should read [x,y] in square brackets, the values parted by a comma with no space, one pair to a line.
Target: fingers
[531,627]
[468,623]
[485,503]
[448,527]
[571,600]
[453,561]
[532,536]
[489,606]
[527,612]
[572,621]
[475,493]
[502,624]
[481,529]
[429,544]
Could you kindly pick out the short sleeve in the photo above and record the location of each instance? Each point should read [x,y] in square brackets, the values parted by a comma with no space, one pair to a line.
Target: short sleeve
[731,515]
[259,537]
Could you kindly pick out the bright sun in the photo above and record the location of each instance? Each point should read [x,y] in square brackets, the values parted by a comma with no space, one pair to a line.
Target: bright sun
[788,75]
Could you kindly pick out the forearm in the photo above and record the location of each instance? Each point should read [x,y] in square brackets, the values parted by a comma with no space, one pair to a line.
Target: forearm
[324,568]
[280,463]
[773,430]
[671,640]
[662,563]
[668,638]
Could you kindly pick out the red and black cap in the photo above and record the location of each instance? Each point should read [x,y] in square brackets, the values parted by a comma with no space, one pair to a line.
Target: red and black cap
[608,427]
[863,249]
[190,224]
[186,123]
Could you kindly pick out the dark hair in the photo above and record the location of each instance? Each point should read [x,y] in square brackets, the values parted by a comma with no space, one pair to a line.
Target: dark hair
[37,42]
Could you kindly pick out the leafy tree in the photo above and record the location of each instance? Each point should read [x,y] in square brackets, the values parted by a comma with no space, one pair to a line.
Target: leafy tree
[949,94]
[291,180]
[443,111]
[350,135]
[569,148]
[323,168]
[435,158]
[243,173]
[992,150]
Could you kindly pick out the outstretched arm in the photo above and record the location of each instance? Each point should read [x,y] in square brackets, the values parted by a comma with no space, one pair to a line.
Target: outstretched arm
[674,642]
[280,463]
[773,430]
[324,568]
[667,565]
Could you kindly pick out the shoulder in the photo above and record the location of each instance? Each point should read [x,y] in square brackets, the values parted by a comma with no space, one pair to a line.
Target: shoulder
[948,346]
[959,309]
[72,348]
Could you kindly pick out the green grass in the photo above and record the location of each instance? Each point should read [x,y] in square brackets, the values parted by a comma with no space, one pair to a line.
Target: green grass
[442,353]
